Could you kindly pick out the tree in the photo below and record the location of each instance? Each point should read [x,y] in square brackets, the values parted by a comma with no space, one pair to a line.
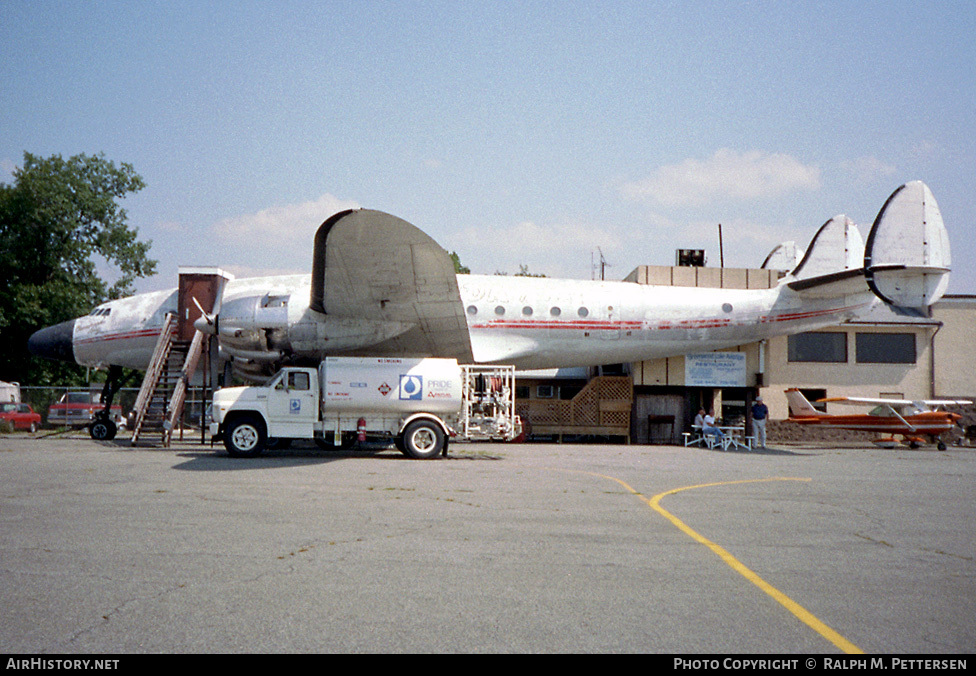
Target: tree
[458,267]
[60,221]
[523,272]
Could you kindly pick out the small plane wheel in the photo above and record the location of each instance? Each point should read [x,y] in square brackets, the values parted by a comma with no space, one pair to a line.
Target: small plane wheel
[941,445]
[102,430]
[245,437]
[423,439]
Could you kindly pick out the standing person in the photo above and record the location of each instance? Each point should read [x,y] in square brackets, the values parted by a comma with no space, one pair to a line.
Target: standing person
[760,412]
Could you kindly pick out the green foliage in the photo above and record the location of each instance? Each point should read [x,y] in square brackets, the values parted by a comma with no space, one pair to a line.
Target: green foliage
[59,222]
[523,272]
[458,268]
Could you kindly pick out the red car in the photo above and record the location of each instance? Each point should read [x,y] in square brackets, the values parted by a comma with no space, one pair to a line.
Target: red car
[21,415]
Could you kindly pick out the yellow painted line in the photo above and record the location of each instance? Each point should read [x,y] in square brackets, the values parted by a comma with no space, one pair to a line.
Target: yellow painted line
[799,611]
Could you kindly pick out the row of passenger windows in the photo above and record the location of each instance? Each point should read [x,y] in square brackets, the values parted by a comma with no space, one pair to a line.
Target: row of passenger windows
[527,311]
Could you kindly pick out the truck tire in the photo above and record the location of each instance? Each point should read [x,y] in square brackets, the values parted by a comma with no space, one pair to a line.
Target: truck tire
[244,437]
[423,439]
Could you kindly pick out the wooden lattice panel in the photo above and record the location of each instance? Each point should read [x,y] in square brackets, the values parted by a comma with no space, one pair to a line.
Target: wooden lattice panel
[602,406]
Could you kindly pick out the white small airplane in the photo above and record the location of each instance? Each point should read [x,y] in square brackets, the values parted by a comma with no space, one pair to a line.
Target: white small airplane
[913,420]
[381,287]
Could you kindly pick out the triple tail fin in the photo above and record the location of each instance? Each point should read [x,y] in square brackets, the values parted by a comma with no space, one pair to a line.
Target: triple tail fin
[905,260]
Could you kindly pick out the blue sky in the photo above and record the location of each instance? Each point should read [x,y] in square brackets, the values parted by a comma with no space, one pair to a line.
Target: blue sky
[515,133]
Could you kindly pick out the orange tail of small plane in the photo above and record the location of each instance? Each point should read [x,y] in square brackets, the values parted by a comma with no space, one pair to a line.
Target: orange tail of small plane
[800,407]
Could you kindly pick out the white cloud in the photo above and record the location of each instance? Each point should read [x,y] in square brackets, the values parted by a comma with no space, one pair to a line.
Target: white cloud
[7,168]
[243,271]
[868,168]
[556,250]
[726,174]
[273,241]
[281,226]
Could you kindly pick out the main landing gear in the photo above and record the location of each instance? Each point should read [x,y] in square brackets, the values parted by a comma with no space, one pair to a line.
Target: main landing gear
[102,427]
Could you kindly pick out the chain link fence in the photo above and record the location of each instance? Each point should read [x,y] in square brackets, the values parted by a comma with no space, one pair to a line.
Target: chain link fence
[42,398]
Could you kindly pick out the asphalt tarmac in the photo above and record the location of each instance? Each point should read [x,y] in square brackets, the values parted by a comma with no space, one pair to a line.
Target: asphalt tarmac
[530,548]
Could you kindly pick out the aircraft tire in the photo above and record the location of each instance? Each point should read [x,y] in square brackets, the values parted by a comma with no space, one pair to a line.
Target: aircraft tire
[423,439]
[244,437]
[102,430]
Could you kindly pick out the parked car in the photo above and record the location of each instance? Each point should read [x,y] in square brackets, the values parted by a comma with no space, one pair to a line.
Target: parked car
[21,415]
[76,409]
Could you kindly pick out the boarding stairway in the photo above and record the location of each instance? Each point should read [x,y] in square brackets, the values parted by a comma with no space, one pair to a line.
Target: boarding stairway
[159,405]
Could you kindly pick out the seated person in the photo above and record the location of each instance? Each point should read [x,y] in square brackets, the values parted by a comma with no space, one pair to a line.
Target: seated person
[709,426]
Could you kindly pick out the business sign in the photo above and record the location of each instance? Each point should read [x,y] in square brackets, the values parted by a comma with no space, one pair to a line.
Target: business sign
[715,369]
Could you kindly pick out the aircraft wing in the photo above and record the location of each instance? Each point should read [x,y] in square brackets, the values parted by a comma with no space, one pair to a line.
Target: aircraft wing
[895,402]
[371,265]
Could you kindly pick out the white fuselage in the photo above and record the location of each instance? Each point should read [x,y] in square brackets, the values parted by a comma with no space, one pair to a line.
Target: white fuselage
[528,322]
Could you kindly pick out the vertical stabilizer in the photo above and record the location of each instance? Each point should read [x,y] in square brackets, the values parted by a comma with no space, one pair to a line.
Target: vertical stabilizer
[836,247]
[906,258]
[800,407]
[785,257]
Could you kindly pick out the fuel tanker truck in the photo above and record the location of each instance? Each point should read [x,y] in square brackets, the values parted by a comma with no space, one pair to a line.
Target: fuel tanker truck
[419,404]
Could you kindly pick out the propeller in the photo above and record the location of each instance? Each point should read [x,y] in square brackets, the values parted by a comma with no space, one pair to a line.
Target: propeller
[207,323]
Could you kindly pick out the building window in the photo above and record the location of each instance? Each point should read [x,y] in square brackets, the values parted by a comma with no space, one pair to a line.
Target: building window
[885,348]
[818,347]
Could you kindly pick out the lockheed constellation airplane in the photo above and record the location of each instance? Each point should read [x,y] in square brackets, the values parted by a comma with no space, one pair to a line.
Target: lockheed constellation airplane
[381,287]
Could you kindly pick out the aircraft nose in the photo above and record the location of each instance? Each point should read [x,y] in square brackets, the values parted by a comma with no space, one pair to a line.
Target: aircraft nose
[54,342]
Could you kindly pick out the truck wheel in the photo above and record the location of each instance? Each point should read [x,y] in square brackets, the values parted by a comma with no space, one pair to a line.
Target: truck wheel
[102,430]
[423,439]
[244,437]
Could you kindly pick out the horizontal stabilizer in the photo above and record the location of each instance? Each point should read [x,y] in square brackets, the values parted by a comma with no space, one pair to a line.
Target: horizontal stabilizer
[906,257]
[844,283]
